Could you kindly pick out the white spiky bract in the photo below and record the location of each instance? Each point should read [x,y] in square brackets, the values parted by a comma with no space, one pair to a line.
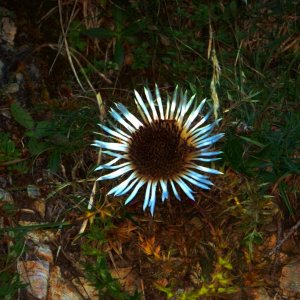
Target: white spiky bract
[190,122]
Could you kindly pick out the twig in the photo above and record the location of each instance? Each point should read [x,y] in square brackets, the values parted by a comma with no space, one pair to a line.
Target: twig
[285,238]
[12,162]
[91,200]
[274,264]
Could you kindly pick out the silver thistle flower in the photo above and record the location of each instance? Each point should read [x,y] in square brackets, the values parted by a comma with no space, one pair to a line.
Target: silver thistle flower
[161,149]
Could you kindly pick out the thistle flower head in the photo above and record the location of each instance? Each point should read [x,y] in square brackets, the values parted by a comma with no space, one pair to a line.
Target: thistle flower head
[162,151]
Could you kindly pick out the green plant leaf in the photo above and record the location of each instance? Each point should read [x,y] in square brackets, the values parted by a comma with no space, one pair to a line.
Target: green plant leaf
[133,28]
[119,53]
[233,152]
[101,33]
[21,115]
[75,37]
[36,147]
[44,129]
[10,285]
[251,141]
[252,238]
[30,133]
[119,17]
[54,160]
[285,198]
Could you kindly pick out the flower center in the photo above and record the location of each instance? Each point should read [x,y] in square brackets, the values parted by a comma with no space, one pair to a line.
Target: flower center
[157,151]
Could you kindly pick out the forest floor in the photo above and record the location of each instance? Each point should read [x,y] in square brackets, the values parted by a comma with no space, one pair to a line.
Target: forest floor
[63,238]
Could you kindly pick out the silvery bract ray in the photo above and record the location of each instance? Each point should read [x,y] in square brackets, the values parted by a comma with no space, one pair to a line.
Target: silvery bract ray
[161,150]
